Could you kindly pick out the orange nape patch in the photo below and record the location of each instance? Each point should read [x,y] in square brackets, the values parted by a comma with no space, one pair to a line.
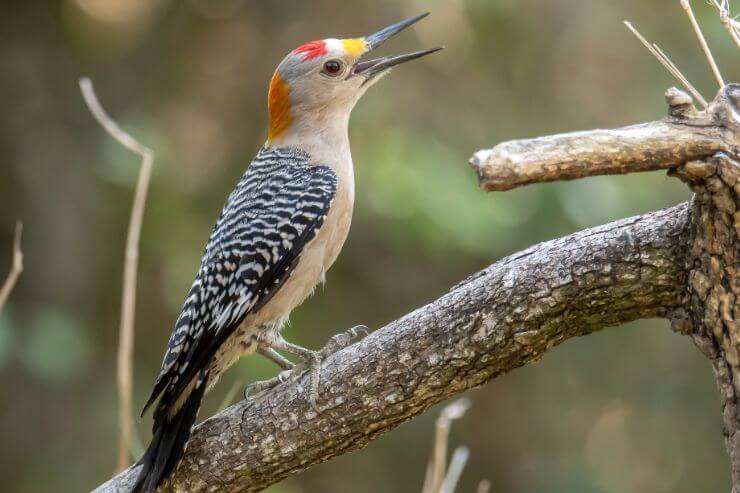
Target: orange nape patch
[354,47]
[278,107]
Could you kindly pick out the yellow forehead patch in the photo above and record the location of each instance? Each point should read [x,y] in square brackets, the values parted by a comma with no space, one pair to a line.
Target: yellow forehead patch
[354,47]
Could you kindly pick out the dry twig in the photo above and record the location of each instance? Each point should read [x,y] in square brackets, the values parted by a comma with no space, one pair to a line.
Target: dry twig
[686,5]
[667,63]
[128,299]
[436,477]
[457,464]
[16,268]
[731,25]
[229,397]
[484,486]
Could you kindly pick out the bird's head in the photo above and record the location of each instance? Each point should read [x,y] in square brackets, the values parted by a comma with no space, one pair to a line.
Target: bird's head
[321,81]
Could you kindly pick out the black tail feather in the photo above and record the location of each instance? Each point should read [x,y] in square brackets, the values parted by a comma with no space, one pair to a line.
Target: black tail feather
[170,435]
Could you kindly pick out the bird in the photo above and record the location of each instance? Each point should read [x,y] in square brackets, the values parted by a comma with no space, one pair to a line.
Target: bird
[281,229]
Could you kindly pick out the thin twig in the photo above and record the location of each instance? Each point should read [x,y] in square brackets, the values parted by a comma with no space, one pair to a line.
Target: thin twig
[229,397]
[136,447]
[128,300]
[457,464]
[427,488]
[668,64]
[731,25]
[703,42]
[436,471]
[16,268]
[681,78]
[484,486]
[668,61]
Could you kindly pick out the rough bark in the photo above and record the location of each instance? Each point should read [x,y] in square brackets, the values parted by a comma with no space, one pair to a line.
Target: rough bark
[679,263]
[495,321]
[711,315]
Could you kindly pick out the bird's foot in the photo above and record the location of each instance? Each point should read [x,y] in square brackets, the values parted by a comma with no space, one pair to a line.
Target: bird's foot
[255,388]
[337,342]
[311,363]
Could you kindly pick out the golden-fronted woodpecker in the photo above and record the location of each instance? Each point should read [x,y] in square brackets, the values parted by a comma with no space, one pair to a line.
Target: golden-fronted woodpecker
[281,229]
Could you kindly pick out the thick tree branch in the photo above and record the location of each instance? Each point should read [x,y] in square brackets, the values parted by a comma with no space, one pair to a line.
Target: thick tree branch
[495,321]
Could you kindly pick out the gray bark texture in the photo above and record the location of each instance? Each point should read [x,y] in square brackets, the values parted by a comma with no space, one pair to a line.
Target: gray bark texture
[679,263]
[712,315]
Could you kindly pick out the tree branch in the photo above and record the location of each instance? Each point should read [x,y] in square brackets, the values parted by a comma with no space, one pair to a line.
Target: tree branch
[495,321]
[685,135]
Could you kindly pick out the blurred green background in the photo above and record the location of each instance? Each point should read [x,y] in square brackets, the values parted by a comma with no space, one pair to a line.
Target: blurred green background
[632,409]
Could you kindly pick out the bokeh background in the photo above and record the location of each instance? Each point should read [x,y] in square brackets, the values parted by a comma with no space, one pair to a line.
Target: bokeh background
[631,409]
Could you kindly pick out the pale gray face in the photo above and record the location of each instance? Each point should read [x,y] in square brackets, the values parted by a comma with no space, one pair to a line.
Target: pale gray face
[320,74]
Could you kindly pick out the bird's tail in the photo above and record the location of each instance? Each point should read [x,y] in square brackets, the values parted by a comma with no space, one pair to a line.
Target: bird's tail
[170,434]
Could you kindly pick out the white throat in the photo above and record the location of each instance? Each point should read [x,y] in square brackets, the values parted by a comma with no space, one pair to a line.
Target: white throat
[324,136]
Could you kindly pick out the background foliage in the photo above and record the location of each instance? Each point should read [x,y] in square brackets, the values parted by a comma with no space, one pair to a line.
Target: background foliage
[633,409]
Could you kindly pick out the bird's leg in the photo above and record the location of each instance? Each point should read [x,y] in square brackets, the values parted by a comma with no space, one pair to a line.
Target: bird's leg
[312,359]
[337,342]
[275,357]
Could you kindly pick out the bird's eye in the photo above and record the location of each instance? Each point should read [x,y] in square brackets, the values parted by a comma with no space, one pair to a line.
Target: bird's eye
[333,68]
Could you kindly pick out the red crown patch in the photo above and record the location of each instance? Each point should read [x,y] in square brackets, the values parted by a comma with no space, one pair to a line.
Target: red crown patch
[311,50]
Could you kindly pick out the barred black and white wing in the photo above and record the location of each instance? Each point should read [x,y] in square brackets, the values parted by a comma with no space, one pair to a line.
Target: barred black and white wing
[276,209]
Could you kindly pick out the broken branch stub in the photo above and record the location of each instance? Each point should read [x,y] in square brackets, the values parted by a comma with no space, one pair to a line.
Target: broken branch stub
[685,135]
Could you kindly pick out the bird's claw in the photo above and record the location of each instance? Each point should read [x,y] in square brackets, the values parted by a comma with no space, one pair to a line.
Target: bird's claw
[342,340]
[256,388]
[359,329]
[336,343]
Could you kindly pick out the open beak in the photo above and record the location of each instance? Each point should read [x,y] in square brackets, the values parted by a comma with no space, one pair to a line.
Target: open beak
[370,68]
